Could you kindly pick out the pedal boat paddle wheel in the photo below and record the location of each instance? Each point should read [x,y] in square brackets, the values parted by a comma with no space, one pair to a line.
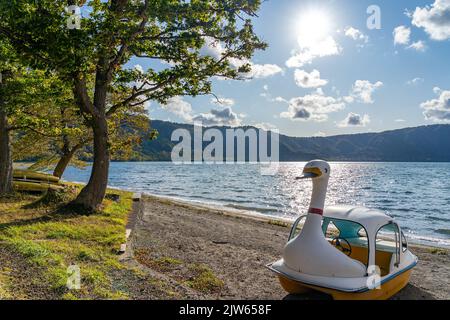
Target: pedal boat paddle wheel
[350,253]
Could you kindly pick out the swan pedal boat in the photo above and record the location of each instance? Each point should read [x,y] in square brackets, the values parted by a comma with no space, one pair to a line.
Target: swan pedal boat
[348,252]
[32,181]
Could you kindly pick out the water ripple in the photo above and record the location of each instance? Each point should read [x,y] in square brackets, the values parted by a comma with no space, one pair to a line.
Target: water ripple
[417,194]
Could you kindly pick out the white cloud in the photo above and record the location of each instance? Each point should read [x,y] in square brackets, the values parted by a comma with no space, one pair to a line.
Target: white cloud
[259,71]
[213,48]
[280,99]
[434,19]
[400,120]
[138,68]
[224,117]
[349,99]
[438,110]
[309,51]
[304,79]
[217,50]
[313,107]
[226,102]
[415,81]
[418,46]
[402,35]
[221,116]
[354,120]
[179,107]
[147,106]
[362,91]
[265,126]
[356,34]
[320,134]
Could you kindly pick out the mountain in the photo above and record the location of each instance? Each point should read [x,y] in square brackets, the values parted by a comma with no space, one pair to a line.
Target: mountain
[419,144]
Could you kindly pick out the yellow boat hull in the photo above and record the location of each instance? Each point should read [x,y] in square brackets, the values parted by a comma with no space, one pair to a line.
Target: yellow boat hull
[386,290]
[35,186]
[34,176]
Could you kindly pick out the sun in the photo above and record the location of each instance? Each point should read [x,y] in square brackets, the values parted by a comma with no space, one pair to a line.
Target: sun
[313,26]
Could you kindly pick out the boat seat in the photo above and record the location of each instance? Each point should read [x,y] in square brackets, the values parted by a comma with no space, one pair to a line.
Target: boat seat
[384,260]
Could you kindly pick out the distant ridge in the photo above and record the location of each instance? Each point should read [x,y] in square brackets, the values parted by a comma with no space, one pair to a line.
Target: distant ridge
[418,144]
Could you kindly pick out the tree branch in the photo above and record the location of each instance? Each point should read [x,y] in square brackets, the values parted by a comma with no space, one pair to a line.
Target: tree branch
[82,96]
[137,94]
[124,47]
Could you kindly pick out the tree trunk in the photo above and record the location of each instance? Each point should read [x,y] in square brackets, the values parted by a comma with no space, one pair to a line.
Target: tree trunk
[6,168]
[91,196]
[64,162]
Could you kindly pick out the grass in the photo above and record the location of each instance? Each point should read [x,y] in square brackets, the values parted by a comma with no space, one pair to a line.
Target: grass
[4,279]
[161,264]
[437,251]
[197,276]
[50,240]
[41,240]
[278,223]
[203,279]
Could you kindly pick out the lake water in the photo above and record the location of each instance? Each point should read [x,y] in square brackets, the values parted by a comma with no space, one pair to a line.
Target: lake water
[416,194]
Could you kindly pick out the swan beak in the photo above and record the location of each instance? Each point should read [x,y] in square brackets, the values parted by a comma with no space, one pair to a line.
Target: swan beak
[310,173]
[307,175]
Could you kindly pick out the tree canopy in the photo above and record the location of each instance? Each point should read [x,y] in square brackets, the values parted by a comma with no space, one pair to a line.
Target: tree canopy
[174,35]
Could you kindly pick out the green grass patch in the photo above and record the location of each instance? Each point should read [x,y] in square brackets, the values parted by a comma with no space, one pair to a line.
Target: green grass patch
[437,251]
[161,264]
[52,240]
[278,223]
[4,280]
[203,279]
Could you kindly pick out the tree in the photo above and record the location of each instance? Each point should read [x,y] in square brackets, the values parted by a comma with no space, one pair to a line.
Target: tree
[68,141]
[8,72]
[5,143]
[54,147]
[27,102]
[174,32]
[20,91]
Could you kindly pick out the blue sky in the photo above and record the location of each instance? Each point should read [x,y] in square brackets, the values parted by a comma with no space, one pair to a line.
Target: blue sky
[370,80]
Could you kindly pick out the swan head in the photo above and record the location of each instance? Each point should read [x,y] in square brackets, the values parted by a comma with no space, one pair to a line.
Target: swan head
[316,169]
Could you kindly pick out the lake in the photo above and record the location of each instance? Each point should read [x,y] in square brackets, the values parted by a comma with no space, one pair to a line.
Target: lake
[416,194]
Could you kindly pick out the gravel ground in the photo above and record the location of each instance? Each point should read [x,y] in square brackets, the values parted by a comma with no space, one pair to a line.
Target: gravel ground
[171,236]
[181,251]
[19,273]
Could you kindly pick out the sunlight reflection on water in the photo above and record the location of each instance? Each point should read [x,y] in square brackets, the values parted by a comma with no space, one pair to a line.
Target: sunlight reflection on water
[416,194]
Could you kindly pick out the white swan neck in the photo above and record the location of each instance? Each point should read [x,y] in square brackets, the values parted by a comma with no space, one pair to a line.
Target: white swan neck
[319,193]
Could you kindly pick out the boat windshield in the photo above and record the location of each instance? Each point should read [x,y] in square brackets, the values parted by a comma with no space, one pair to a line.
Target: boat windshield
[387,255]
[347,236]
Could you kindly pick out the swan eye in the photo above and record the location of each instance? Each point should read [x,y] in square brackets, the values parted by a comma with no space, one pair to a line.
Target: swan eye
[326,170]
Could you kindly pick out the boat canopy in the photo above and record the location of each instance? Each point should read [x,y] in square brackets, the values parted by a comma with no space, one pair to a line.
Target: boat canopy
[370,219]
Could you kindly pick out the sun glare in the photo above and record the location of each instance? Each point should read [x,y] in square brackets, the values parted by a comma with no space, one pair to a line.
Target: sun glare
[313,26]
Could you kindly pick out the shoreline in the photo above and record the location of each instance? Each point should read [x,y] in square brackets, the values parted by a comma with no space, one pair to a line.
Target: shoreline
[177,238]
[197,204]
[414,240]
[247,163]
